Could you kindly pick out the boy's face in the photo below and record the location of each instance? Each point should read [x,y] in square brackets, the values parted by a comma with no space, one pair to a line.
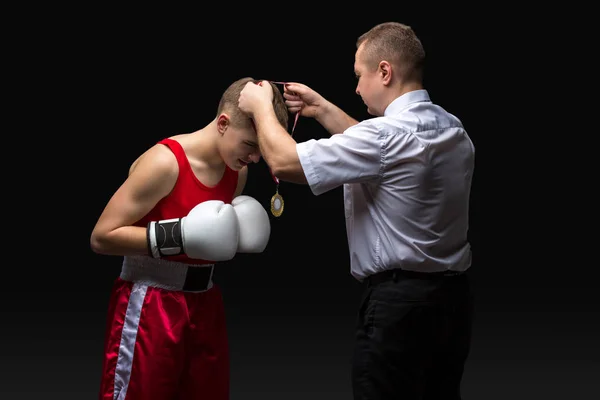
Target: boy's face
[239,146]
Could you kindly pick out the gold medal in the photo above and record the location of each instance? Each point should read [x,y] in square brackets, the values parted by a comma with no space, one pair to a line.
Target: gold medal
[277,200]
[276,204]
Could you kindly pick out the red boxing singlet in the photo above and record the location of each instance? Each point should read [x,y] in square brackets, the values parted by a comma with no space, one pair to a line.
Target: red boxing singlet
[187,193]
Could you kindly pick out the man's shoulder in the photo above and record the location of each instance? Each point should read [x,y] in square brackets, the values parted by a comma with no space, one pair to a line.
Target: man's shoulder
[384,126]
[424,117]
[369,126]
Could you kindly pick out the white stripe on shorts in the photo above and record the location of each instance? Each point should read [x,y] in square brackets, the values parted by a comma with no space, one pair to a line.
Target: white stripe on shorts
[128,338]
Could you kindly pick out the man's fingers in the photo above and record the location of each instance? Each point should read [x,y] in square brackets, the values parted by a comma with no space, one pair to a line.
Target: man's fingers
[292,97]
[290,103]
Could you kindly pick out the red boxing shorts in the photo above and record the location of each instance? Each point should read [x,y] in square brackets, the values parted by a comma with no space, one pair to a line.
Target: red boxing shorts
[166,334]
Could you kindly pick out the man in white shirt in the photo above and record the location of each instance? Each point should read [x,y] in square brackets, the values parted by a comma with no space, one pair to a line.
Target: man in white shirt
[406,175]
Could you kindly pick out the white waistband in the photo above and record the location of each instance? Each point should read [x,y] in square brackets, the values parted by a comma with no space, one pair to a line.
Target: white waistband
[160,273]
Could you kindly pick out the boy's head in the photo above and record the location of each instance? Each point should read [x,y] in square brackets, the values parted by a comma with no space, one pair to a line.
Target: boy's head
[239,144]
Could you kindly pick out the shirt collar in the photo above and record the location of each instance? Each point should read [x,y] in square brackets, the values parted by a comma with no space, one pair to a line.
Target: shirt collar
[400,103]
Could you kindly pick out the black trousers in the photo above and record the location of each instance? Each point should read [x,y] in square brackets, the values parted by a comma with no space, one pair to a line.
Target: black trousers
[413,337]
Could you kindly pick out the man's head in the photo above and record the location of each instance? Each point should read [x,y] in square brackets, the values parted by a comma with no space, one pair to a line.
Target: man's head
[388,56]
[238,145]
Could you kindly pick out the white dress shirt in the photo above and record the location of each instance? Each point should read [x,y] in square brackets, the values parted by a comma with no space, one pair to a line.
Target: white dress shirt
[407,180]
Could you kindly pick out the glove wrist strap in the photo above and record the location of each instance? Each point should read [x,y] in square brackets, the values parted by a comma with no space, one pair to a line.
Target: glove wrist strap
[164,238]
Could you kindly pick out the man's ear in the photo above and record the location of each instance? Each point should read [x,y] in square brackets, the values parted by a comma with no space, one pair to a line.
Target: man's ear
[222,123]
[385,70]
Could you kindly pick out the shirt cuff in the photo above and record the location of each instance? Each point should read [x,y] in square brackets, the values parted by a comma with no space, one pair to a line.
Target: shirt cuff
[304,149]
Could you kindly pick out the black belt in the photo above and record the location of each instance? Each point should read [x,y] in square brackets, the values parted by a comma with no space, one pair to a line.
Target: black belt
[395,274]
[197,279]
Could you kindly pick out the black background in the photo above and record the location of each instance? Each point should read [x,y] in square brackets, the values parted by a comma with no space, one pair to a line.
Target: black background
[110,83]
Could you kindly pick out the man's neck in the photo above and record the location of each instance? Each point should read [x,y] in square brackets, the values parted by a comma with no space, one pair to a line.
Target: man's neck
[401,89]
[409,87]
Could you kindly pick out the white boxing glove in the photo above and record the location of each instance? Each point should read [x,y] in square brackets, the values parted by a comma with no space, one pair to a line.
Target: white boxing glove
[254,224]
[209,232]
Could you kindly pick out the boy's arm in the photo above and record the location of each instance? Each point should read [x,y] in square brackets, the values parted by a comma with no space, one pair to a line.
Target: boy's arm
[152,177]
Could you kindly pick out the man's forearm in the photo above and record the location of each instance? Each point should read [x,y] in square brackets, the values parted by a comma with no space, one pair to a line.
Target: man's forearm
[277,147]
[334,119]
